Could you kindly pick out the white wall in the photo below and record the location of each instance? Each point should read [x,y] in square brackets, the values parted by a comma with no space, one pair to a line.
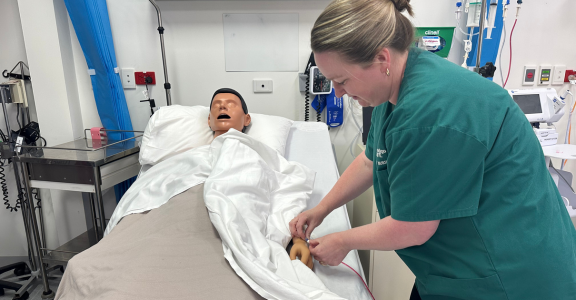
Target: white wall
[12,50]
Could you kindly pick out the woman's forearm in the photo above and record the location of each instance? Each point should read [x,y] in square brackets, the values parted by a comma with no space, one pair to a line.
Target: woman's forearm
[389,234]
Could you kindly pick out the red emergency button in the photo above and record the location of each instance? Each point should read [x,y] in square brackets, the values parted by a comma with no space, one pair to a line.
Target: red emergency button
[530,75]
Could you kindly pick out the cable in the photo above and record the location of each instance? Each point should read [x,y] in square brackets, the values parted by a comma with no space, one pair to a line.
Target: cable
[364,282]
[307,98]
[4,187]
[36,194]
[569,185]
[500,54]
[319,109]
[18,115]
[510,65]
[567,138]
[466,33]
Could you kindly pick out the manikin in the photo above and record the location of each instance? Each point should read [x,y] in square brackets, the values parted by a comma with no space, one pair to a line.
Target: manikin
[228,110]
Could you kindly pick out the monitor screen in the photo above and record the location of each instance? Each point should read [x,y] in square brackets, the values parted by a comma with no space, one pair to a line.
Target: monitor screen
[529,104]
[320,83]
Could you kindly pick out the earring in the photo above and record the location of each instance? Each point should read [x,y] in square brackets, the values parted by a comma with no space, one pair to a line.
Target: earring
[387,72]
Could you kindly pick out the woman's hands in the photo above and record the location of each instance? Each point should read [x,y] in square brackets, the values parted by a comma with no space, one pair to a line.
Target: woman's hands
[329,250]
[304,223]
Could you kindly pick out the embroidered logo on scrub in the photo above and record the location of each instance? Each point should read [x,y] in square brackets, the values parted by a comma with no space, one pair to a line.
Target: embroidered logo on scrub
[380,153]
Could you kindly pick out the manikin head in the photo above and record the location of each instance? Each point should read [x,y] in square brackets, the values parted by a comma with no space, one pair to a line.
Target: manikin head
[228,110]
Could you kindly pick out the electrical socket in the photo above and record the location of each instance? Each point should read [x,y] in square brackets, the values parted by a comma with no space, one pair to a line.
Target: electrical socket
[128,81]
[262,85]
[558,75]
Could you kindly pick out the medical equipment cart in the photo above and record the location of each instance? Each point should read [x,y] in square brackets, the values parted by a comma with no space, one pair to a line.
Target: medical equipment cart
[84,165]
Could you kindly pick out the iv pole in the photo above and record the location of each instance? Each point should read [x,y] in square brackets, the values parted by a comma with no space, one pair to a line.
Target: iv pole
[161,31]
[480,35]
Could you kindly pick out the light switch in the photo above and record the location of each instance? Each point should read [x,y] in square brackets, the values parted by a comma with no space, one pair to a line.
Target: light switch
[262,85]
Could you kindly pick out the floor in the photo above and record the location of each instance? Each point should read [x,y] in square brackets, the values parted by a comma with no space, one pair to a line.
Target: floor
[36,291]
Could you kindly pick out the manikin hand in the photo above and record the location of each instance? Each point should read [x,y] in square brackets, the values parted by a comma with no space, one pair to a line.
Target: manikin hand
[300,250]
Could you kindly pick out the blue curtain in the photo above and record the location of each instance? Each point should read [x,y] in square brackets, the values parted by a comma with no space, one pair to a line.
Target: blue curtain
[92,25]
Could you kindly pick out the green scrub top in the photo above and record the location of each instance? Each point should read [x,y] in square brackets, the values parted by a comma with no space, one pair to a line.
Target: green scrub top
[457,148]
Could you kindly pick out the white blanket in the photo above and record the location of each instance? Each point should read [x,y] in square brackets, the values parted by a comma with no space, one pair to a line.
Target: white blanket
[251,193]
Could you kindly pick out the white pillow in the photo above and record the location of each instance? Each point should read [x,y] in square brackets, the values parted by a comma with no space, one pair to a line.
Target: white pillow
[175,129]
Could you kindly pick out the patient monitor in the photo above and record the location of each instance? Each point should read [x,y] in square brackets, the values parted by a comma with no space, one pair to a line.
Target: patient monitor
[539,105]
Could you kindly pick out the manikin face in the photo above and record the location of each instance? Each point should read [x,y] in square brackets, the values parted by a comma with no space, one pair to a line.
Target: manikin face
[367,85]
[226,112]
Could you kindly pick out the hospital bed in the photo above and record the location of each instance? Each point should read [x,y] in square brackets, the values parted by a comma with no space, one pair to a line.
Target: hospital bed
[174,252]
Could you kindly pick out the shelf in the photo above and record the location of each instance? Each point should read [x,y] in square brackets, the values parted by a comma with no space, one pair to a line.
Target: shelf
[77,244]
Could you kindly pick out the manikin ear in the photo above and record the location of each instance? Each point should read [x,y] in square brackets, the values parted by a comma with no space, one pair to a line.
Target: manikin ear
[383,60]
[208,120]
[247,120]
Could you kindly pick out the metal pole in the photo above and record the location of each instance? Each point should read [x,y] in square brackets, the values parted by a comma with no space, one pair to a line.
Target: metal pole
[27,228]
[25,214]
[43,231]
[93,212]
[480,35]
[167,86]
[99,198]
[47,291]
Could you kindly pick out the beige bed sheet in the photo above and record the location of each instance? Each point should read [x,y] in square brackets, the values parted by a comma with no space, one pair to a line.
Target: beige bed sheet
[172,252]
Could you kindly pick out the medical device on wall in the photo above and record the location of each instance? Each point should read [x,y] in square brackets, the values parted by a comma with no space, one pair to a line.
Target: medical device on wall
[17,92]
[319,84]
[307,85]
[539,105]
[149,80]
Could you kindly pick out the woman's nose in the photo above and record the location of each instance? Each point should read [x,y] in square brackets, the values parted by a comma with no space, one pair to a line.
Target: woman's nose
[339,92]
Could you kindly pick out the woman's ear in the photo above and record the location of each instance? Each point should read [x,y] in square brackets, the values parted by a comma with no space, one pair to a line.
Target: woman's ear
[383,59]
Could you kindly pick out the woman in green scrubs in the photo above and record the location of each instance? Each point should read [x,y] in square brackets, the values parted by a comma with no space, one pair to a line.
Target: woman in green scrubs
[461,185]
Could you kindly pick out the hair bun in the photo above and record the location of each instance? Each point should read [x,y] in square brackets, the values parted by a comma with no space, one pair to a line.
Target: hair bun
[403,5]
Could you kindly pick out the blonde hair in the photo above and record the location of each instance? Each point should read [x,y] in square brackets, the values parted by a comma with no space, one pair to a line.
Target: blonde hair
[359,29]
